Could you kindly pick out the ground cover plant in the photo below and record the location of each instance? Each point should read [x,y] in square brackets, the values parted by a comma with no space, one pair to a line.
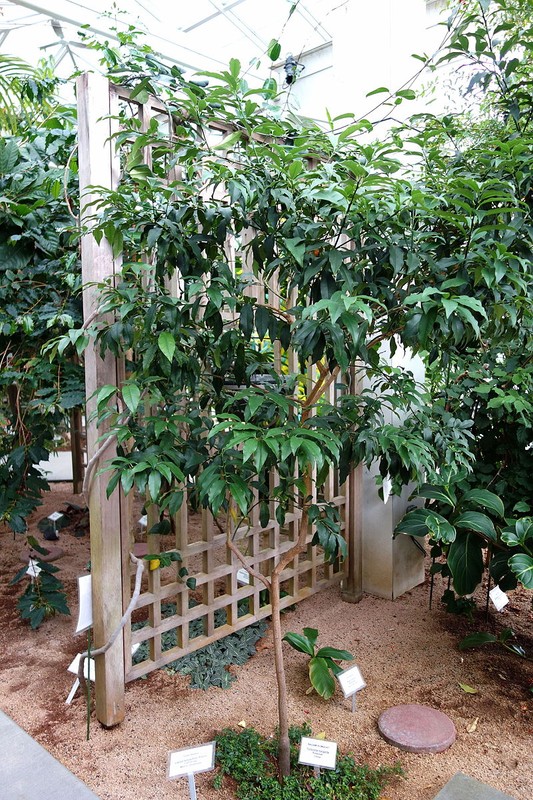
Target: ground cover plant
[249,759]
[209,665]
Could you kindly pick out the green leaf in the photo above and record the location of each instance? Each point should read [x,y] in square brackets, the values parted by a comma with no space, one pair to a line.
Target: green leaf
[478,522]
[396,257]
[476,639]
[264,514]
[414,523]
[274,50]
[240,493]
[522,566]
[485,499]
[131,394]
[167,344]
[296,248]
[246,320]
[518,533]
[379,90]
[465,560]
[312,635]
[440,528]
[104,394]
[439,493]
[334,652]
[300,643]
[234,67]
[228,141]
[321,678]
[262,320]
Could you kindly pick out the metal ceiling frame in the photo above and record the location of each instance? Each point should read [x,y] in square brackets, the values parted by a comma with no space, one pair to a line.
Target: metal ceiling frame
[177,49]
[168,48]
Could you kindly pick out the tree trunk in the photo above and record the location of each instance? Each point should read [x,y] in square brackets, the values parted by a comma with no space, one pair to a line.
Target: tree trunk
[300,545]
[284,759]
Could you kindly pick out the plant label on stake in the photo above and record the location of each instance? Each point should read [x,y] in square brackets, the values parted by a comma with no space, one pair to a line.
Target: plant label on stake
[318,753]
[54,518]
[143,521]
[190,760]
[351,681]
[33,569]
[499,598]
[85,615]
[243,576]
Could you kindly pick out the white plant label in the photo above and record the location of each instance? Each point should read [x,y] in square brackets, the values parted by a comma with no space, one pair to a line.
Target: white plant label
[33,569]
[351,681]
[318,753]
[88,667]
[85,594]
[143,522]
[55,516]
[191,760]
[499,598]
[243,576]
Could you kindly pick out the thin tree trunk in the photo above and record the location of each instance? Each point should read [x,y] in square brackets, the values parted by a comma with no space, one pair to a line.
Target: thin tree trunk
[283,717]
[284,756]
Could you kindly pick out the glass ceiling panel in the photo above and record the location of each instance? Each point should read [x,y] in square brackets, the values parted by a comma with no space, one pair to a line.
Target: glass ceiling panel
[203,34]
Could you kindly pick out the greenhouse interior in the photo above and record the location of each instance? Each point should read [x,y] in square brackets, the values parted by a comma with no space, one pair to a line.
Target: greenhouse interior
[266,399]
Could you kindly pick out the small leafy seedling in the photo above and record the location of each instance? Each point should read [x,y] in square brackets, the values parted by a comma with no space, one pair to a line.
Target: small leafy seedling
[323,665]
[44,596]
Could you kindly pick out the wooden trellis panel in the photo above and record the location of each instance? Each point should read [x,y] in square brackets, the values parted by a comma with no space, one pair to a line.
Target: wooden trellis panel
[199,538]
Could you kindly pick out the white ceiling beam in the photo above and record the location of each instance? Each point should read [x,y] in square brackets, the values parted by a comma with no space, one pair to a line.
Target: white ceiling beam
[241,26]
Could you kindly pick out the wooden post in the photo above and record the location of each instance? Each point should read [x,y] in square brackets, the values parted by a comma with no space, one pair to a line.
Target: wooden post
[98,166]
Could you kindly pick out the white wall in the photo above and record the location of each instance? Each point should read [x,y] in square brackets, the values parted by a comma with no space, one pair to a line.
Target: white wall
[372,46]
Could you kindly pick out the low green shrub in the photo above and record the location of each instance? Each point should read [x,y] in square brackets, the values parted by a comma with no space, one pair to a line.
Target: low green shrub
[249,759]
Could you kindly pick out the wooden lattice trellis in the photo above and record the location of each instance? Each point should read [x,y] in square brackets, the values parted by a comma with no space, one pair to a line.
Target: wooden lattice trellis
[199,539]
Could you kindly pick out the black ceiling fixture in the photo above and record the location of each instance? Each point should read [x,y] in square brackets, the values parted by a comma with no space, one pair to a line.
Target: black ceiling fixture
[292,69]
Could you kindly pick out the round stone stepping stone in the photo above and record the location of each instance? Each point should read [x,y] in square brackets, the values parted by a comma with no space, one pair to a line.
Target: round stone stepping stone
[416,728]
[53,554]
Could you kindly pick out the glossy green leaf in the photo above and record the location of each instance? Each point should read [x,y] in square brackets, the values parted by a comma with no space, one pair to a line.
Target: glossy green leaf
[440,529]
[465,560]
[312,635]
[321,678]
[299,642]
[522,566]
[104,394]
[229,141]
[518,533]
[167,344]
[476,521]
[485,499]
[476,640]
[414,523]
[274,50]
[131,394]
[439,493]
[296,248]
[334,652]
